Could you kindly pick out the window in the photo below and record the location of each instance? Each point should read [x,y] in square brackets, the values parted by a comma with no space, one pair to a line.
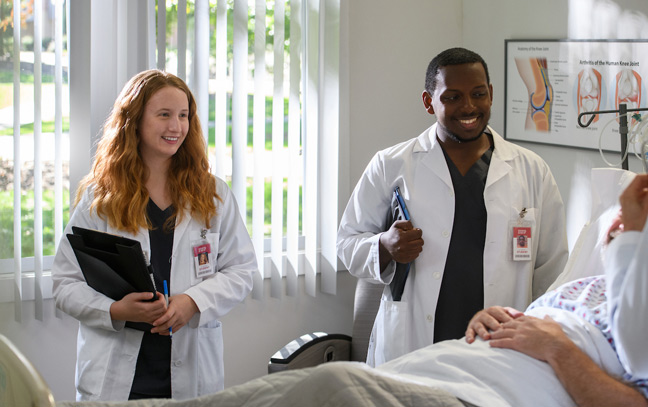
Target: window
[34,152]
[264,74]
[271,75]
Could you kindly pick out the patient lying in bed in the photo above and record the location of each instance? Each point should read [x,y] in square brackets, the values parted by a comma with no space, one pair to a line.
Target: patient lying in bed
[583,343]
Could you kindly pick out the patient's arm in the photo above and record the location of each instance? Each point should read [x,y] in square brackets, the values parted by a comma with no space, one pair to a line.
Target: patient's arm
[627,279]
[585,381]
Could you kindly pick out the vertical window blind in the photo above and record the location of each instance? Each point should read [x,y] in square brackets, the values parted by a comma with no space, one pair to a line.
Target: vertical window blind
[265,78]
[266,83]
[33,120]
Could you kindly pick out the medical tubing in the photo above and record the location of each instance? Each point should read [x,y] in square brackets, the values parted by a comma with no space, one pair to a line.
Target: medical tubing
[636,136]
[625,155]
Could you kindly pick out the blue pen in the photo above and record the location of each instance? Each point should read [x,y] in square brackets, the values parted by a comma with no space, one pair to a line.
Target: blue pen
[166,297]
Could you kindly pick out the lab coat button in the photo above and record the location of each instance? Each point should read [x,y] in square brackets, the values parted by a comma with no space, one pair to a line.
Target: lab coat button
[430,318]
[436,275]
[177,363]
[445,233]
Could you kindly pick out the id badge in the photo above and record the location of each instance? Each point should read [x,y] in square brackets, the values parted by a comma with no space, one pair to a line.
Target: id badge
[203,256]
[522,233]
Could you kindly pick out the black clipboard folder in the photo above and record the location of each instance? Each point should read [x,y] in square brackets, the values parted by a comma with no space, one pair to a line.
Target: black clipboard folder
[398,212]
[112,265]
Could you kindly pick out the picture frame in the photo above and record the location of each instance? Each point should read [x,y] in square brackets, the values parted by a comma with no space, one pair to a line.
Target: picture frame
[549,83]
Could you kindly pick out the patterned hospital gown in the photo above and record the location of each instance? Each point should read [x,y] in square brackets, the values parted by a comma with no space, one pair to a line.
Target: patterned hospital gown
[586,297]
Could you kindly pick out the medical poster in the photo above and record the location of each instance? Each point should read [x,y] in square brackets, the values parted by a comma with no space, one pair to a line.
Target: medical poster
[550,82]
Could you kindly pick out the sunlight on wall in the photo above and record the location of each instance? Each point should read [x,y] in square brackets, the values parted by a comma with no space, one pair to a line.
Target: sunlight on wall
[607,19]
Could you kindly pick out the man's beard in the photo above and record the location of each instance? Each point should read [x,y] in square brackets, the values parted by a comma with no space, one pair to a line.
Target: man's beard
[458,139]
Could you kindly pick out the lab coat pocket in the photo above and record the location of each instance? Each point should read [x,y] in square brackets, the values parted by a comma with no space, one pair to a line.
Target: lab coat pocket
[210,358]
[391,332]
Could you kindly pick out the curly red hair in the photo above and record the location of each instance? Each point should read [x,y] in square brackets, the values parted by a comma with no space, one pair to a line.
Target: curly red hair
[118,173]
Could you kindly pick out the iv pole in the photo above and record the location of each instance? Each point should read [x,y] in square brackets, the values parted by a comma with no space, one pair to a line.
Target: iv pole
[623,126]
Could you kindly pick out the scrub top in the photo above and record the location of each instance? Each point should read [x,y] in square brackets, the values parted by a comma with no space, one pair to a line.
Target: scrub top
[462,287]
[153,370]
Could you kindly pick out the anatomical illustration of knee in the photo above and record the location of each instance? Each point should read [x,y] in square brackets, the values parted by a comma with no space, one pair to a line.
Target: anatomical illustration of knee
[535,75]
[628,89]
[589,92]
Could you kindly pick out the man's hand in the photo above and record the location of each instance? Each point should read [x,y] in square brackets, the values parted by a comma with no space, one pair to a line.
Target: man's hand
[137,307]
[542,339]
[401,243]
[634,203]
[181,308]
[616,228]
[489,319]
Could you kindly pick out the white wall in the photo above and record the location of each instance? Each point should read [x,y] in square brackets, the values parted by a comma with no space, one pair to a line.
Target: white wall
[389,47]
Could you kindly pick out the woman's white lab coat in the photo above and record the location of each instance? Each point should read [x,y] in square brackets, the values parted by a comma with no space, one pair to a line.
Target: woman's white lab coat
[517,179]
[107,351]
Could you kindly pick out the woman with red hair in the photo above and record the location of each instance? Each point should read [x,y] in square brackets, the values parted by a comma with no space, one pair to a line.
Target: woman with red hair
[150,181]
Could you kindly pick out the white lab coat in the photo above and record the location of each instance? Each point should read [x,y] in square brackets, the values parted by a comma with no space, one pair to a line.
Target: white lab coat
[107,351]
[517,179]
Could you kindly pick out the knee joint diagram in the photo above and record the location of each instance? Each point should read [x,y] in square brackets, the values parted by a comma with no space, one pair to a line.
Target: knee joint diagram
[628,89]
[535,75]
[589,92]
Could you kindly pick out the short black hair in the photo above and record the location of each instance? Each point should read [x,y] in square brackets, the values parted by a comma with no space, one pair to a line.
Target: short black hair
[451,56]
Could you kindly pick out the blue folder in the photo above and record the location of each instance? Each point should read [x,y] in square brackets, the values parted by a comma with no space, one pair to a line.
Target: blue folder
[399,212]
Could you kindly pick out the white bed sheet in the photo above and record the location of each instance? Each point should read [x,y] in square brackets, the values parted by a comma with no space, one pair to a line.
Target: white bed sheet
[487,376]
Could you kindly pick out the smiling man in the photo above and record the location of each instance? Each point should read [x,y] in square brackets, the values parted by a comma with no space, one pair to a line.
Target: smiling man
[469,194]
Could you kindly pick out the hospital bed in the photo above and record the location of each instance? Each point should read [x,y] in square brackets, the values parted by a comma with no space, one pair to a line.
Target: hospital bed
[584,260]
[303,373]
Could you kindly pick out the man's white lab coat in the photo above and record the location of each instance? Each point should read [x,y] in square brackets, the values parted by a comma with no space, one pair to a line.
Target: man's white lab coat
[517,179]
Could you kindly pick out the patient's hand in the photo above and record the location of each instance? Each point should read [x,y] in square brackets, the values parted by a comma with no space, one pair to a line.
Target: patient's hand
[542,339]
[181,308]
[489,319]
[616,228]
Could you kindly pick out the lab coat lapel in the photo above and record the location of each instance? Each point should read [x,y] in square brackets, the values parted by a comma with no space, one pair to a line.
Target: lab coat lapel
[180,229]
[434,159]
[499,165]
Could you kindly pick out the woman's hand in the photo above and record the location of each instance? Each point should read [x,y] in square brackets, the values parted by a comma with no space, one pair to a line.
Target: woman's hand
[137,307]
[181,308]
